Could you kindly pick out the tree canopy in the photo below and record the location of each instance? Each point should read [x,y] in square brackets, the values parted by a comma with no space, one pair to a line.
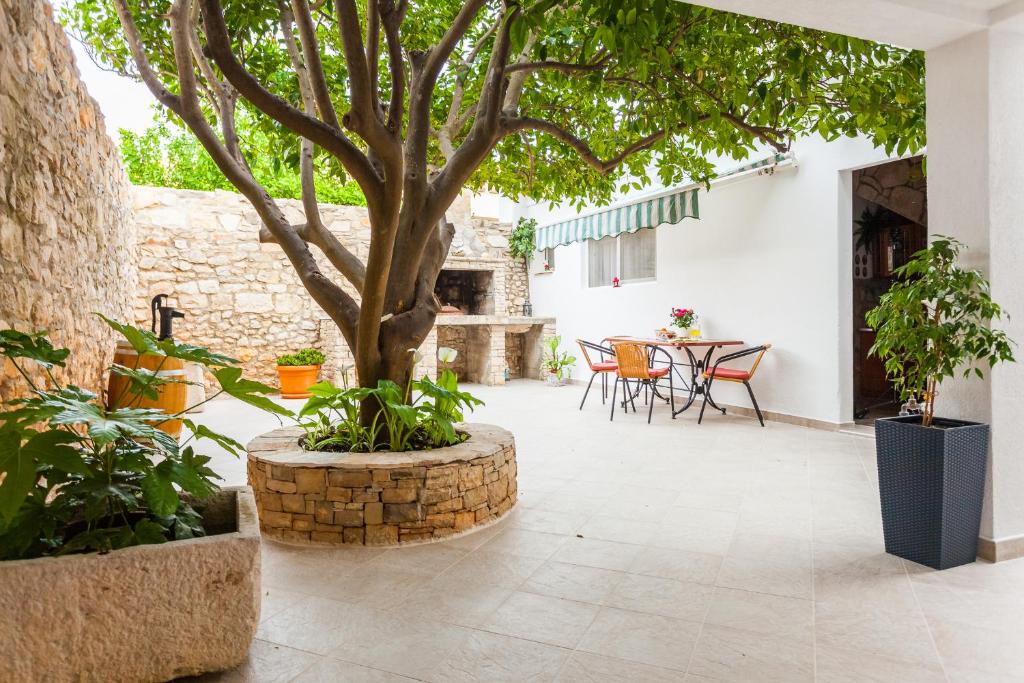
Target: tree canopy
[415,100]
[165,157]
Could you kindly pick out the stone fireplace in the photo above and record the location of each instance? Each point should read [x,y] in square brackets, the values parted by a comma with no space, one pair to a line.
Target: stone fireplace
[469,291]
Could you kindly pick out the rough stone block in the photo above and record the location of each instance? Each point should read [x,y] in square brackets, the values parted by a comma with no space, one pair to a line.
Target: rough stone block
[401,495]
[373,513]
[350,479]
[474,497]
[302,522]
[341,495]
[402,512]
[280,520]
[471,477]
[270,501]
[348,517]
[365,496]
[281,486]
[354,536]
[464,520]
[443,519]
[381,534]
[310,480]
[293,502]
[331,537]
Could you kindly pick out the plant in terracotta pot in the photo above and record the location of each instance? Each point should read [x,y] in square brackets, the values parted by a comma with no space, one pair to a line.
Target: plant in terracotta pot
[934,323]
[101,504]
[557,364]
[299,371]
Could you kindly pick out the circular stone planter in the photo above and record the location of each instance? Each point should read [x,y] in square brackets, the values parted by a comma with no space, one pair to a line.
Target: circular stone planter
[145,613]
[323,498]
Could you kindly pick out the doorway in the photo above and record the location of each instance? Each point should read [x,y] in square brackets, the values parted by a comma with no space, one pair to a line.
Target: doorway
[890,224]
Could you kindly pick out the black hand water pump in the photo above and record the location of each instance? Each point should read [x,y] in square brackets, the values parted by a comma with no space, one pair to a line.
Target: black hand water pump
[165,313]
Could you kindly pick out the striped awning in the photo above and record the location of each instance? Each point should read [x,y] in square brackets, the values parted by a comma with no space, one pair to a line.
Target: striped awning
[667,208]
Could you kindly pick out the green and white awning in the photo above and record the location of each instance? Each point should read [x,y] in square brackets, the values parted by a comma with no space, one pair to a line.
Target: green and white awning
[666,208]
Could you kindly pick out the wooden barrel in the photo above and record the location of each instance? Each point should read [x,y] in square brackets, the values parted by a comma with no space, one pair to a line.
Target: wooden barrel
[171,398]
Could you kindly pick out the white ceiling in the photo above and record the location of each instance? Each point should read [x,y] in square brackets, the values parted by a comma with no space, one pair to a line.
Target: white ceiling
[921,24]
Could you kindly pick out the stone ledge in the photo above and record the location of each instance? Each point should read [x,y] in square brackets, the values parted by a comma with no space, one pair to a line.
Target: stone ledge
[321,498]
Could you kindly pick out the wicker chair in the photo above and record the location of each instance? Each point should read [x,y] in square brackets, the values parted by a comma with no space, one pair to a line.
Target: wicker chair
[635,363]
[733,375]
[604,365]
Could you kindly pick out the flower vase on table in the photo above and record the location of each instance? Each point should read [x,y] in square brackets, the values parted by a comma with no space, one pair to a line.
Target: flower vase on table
[687,320]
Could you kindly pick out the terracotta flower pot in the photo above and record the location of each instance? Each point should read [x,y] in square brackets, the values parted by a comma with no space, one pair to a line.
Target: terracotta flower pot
[297,379]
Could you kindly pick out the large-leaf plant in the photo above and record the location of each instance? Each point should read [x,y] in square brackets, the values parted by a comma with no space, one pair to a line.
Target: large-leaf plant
[77,476]
[934,323]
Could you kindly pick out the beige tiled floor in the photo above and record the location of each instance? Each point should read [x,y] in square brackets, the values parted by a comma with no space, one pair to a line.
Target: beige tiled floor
[663,552]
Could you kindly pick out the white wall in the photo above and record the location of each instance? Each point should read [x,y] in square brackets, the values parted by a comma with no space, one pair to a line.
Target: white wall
[769,261]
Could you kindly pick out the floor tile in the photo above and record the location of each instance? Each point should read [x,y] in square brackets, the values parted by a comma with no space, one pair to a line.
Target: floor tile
[789,618]
[525,543]
[267,663]
[682,565]
[583,667]
[738,655]
[493,658]
[594,553]
[787,577]
[492,568]
[645,638]
[841,665]
[454,601]
[572,582]
[654,595]
[329,670]
[618,529]
[545,619]
[897,634]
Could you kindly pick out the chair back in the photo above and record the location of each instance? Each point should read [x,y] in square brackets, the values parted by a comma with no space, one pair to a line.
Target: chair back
[763,350]
[632,360]
[584,345]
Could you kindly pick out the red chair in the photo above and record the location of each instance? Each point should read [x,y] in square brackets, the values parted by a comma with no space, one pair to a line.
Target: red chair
[733,375]
[636,363]
[603,366]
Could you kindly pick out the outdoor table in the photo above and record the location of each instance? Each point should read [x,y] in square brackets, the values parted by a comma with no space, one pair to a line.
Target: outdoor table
[697,365]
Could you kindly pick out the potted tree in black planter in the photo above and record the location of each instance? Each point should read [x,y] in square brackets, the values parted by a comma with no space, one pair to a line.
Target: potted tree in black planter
[933,324]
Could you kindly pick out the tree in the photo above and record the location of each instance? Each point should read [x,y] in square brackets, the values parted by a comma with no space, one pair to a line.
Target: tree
[417,99]
[163,157]
[935,322]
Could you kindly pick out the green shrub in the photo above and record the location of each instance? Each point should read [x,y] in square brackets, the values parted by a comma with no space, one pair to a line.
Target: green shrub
[303,357]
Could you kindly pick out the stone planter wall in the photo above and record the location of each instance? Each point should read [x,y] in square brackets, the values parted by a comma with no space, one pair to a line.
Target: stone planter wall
[148,613]
[314,497]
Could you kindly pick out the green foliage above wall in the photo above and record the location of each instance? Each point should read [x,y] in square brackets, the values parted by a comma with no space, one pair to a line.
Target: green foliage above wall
[166,157]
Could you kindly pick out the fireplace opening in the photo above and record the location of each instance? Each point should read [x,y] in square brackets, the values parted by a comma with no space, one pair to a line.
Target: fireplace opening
[469,292]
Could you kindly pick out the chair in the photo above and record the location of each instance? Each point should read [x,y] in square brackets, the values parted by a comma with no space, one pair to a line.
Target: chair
[601,367]
[733,375]
[635,362]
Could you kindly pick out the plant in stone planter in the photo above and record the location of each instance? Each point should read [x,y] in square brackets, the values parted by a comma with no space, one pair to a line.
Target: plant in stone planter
[558,364]
[421,416]
[102,504]
[77,476]
[934,324]
[299,371]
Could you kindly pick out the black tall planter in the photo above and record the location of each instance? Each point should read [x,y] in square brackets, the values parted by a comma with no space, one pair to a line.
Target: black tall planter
[932,485]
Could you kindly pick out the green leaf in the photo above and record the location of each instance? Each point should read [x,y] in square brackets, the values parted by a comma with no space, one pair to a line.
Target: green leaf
[226,442]
[142,341]
[19,471]
[149,532]
[54,448]
[249,391]
[158,490]
[35,347]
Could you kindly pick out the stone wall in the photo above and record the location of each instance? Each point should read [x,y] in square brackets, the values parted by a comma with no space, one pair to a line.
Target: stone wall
[67,248]
[243,298]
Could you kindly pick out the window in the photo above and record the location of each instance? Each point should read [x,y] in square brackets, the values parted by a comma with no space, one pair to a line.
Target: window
[630,257]
[546,260]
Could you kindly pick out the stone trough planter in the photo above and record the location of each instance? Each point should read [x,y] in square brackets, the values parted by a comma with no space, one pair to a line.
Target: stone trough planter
[147,613]
[322,498]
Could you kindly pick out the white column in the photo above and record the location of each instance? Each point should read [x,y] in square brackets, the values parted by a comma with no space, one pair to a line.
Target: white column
[976,193]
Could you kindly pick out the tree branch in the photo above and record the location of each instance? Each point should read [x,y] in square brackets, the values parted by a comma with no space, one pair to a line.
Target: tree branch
[602,166]
[314,65]
[307,126]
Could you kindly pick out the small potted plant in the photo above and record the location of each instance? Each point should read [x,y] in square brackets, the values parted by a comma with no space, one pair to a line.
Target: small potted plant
[934,323]
[687,320]
[299,371]
[558,364]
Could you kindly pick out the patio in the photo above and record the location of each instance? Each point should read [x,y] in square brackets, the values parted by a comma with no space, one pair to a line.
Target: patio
[659,552]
